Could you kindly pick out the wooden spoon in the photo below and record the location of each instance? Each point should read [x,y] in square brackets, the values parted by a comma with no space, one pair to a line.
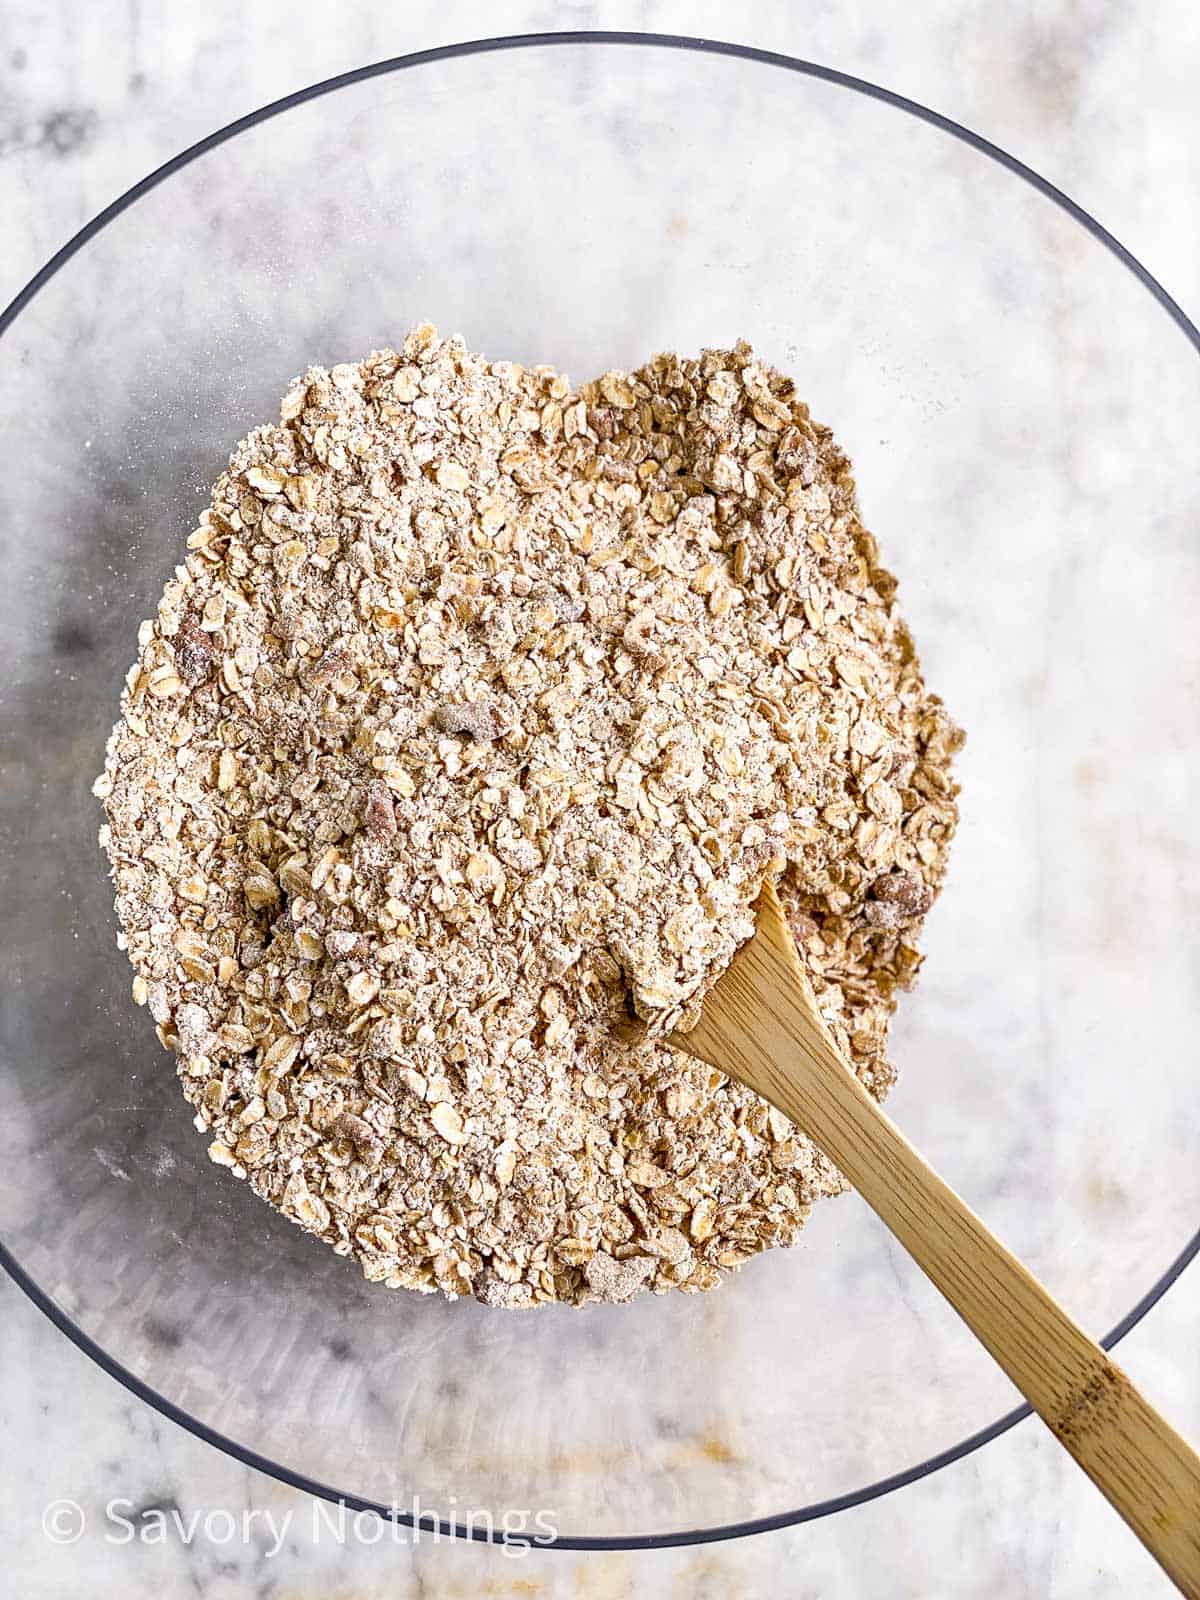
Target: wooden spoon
[760,1024]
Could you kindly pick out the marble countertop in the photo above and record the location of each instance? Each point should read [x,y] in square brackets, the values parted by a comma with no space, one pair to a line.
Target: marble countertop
[1098,99]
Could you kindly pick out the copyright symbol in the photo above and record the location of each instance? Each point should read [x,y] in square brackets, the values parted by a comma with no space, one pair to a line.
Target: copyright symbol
[63,1522]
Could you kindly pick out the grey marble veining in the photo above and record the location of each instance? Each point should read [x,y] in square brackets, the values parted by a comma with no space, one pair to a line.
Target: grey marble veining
[92,101]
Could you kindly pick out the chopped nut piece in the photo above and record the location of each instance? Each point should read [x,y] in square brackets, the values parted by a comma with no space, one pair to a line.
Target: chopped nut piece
[478,719]
[367,1144]
[379,814]
[638,637]
[193,652]
[617,1281]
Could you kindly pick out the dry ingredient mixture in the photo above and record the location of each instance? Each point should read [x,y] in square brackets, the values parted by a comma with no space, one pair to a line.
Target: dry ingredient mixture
[477,712]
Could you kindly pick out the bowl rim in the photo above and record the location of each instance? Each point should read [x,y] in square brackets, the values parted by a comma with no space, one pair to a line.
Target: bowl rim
[474,47]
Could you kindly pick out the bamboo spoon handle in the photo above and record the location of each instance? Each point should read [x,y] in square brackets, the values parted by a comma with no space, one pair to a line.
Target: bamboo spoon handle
[760,1025]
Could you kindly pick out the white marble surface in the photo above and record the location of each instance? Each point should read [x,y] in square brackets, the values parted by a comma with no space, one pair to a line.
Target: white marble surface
[89,101]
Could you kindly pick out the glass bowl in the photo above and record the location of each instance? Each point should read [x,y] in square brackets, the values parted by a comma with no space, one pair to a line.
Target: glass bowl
[1022,415]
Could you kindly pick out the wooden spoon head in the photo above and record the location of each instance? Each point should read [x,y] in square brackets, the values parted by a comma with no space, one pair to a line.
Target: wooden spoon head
[765,971]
